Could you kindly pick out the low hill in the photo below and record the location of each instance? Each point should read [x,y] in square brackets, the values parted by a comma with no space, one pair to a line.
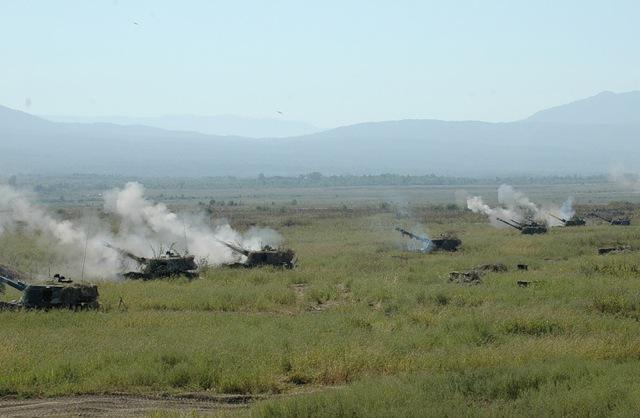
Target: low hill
[224,125]
[542,144]
[603,108]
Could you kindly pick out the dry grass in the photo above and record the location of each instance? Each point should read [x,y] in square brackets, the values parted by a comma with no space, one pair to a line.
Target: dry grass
[384,326]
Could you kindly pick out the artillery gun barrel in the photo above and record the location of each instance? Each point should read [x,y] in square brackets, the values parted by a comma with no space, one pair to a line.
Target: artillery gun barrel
[410,235]
[516,222]
[602,217]
[564,221]
[234,248]
[126,253]
[510,224]
[18,285]
[11,273]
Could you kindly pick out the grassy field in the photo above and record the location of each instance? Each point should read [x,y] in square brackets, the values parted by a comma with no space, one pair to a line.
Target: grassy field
[361,327]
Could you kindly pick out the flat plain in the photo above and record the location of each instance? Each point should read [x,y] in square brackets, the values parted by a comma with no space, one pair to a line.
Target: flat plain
[361,327]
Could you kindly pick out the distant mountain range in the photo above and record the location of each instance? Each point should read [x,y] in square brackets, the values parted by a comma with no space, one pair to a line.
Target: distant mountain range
[584,137]
[603,108]
[226,125]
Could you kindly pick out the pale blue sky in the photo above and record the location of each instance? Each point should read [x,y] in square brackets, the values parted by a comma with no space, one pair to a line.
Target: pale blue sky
[325,62]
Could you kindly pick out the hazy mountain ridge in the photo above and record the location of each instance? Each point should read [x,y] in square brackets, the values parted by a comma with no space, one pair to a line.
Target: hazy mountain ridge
[604,108]
[542,144]
[224,125]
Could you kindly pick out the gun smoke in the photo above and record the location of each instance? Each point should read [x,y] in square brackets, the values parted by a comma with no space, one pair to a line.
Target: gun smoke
[144,228]
[515,205]
[420,242]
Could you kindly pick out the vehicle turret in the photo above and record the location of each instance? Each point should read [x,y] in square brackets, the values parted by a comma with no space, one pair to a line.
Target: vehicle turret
[445,242]
[59,293]
[529,228]
[169,264]
[573,221]
[611,221]
[266,256]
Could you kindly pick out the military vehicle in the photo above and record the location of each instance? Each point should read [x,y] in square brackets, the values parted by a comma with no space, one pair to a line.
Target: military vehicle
[446,242]
[471,277]
[573,221]
[526,228]
[474,276]
[266,256]
[617,249]
[170,264]
[491,268]
[58,293]
[619,221]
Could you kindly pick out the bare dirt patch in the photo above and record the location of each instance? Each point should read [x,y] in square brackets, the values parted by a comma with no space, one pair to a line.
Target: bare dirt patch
[118,405]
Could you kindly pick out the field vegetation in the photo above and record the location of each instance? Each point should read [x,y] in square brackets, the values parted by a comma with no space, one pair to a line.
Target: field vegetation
[361,327]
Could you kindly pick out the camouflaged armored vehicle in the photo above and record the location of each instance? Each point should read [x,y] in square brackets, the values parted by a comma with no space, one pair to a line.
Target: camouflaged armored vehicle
[614,250]
[526,228]
[167,265]
[59,293]
[573,221]
[266,256]
[611,221]
[446,242]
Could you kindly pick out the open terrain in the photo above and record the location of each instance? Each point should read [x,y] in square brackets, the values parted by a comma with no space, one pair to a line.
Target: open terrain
[360,328]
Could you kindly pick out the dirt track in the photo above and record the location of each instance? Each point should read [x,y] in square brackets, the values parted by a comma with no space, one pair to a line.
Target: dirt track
[119,405]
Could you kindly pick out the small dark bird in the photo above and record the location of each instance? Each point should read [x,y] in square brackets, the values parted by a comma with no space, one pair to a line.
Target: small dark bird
[135,23]
[278,112]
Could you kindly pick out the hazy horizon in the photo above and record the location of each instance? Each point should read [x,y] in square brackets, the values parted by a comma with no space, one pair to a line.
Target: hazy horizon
[341,88]
[328,64]
[125,120]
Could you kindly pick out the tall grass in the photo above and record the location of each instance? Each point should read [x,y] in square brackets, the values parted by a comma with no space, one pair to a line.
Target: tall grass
[375,331]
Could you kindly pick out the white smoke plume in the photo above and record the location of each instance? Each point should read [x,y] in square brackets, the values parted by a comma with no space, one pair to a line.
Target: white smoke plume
[566,210]
[416,245]
[144,228]
[517,201]
[144,224]
[66,238]
[552,213]
[515,205]
[477,205]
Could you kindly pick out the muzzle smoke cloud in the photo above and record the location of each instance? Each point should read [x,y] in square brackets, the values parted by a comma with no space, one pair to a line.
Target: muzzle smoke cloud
[143,227]
[515,205]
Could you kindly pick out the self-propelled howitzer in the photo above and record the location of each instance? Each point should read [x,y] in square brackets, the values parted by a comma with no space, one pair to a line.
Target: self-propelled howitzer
[167,265]
[266,256]
[573,221]
[56,294]
[529,228]
[611,221]
[444,243]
